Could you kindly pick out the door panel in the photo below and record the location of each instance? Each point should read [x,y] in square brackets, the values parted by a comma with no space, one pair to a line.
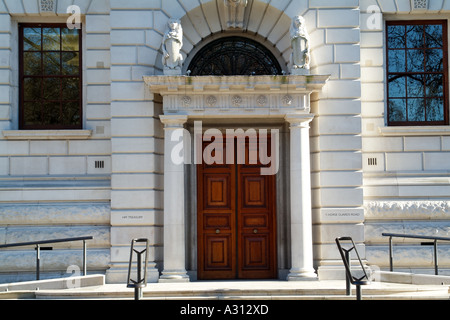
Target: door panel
[217,191]
[256,221]
[216,220]
[219,252]
[255,253]
[236,220]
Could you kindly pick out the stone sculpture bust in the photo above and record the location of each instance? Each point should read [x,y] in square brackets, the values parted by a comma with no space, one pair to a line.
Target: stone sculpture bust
[300,46]
[171,47]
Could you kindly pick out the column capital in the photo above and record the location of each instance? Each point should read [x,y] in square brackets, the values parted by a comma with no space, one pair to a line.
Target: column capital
[299,120]
[173,121]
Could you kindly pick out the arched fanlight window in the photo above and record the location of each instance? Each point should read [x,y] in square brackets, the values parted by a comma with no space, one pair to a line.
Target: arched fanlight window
[234,56]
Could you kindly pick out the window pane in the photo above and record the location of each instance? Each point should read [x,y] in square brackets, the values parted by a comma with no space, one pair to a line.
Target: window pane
[32,63]
[435,110]
[31,39]
[52,89]
[434,36]
[415,86]
[397,87]
[51,113]
[71,113]
[414,36]
[70,63]
[52,63]
[397,61]
[396,37]
[415,61]
[51,39]
[435,60]
[70,88]
[32,113]
[434,85]
[32,89]
[397,110]
[416,109]
[70,40]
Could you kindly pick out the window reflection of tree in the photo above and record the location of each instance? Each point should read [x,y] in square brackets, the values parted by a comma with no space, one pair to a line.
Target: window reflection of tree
[51,76]
[415,73]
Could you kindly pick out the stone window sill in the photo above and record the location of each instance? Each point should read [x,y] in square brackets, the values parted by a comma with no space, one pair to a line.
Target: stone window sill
[415,131]
[47,134]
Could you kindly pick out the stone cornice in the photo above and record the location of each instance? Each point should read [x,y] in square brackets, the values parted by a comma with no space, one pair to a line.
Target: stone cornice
[293,84]
[242,96]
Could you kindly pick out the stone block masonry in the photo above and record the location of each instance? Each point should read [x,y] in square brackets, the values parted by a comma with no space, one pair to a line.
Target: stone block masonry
[108,177]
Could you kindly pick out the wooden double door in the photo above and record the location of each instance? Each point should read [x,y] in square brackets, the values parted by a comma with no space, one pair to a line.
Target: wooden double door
[236,218]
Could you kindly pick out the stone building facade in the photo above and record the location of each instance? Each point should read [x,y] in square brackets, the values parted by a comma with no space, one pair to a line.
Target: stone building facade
[358,155]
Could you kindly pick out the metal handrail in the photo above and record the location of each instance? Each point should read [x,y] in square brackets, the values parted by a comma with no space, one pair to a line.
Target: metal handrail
[350,278]
[38,249]
[414,236]
[141,281]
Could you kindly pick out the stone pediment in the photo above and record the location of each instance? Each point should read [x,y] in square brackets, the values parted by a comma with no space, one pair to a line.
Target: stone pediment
[236,95]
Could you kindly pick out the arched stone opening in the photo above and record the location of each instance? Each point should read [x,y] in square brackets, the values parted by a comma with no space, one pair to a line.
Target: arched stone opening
[252,55]
[266,23]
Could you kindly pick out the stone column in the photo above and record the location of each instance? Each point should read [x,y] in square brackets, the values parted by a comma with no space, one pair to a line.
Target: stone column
[174,221]
[300,182]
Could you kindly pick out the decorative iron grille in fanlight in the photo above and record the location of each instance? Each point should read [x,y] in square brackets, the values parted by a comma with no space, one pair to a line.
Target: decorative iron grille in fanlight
[234,56]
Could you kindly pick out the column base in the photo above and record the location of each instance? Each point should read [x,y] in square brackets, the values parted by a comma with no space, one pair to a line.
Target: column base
[174,276]
[302,275]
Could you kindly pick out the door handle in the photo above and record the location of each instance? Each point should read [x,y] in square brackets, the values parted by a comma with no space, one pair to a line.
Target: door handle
[255,230]
[217,230]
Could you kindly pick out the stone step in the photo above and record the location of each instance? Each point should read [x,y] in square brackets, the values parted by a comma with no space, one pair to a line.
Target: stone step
[412,278]
[28,289]
[94,288]
[277,290]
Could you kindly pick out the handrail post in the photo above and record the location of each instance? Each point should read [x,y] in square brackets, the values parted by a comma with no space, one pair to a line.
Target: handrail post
[38,261]
[358,292]
[345,255]
[348,287]
[435,258]
[391,259]
[141,281]
[84,258]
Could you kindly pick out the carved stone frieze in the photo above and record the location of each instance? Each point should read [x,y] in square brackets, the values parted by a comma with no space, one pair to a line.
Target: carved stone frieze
[211,101]
[262,100]
[47,5]
[426,210]
[419,5]
[259,95]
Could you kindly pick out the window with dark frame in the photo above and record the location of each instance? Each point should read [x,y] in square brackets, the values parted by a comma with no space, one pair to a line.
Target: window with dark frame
[417,73]
[50,77]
